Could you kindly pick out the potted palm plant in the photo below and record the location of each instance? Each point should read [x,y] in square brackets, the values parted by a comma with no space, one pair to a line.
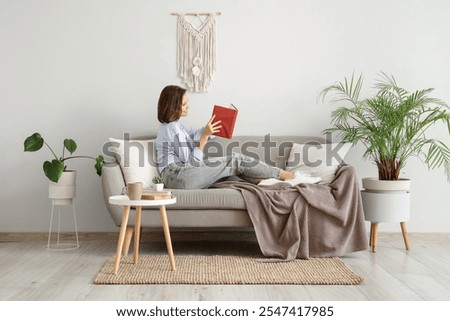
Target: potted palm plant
[62,181]
[393,126]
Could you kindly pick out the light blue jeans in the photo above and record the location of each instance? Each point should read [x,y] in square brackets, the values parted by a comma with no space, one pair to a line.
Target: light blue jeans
[188,176]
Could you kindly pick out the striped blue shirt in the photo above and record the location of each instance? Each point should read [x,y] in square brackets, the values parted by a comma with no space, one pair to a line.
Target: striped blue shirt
[176,143]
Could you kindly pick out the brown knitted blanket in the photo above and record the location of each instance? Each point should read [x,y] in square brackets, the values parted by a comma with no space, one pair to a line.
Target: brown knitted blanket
[308,220]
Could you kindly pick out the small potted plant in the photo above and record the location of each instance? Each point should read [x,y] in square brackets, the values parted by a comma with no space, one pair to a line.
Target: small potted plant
[62,180]
[159,183]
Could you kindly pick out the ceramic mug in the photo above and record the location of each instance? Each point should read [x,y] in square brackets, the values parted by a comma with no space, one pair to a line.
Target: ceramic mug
[134,190]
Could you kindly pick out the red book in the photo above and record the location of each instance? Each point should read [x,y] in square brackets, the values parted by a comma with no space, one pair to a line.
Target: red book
[228,117]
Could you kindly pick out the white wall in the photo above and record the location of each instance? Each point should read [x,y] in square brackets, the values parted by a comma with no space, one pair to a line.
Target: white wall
[93,69]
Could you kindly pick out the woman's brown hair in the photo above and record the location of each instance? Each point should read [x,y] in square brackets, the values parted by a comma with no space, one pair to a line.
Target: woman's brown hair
[169,103]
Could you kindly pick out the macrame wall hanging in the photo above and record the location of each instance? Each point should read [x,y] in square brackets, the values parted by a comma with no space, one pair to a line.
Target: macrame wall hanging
[196,50]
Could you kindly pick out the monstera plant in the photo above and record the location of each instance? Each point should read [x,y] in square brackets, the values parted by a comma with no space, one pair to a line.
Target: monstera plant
[55,167]
[393,125]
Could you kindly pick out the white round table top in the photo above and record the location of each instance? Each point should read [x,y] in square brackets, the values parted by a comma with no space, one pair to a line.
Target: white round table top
[124,200]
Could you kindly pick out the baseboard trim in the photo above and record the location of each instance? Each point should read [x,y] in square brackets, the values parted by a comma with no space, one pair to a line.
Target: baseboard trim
[187,235]
[146,235]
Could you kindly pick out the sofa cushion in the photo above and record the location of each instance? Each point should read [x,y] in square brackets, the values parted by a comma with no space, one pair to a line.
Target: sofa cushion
[136,159]
[273,150]
[213,198]
[320,160]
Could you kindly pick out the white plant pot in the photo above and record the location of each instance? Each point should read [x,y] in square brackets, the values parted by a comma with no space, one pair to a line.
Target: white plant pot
[63,192]
[386,201]
[159,187]
[386,207]
[375,185]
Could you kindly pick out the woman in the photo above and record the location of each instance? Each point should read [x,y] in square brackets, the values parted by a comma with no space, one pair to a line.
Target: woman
[179,150]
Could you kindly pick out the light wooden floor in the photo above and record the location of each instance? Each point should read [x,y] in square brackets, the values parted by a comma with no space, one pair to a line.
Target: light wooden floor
[29,272]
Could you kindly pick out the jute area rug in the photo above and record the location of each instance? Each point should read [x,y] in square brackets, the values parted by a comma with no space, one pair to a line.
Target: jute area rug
[191,269]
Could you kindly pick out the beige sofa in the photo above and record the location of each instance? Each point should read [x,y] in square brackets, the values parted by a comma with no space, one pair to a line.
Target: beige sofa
[208,208]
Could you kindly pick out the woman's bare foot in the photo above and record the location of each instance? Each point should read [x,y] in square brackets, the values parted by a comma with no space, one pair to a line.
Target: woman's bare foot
[286,175]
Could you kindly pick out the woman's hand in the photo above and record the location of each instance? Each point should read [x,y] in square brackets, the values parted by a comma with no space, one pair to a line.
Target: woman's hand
[210,129]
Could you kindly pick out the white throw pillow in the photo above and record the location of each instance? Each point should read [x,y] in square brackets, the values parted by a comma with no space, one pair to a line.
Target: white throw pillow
[137,160]
[320,160]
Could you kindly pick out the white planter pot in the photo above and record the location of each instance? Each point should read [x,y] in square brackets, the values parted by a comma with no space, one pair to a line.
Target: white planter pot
[386,207]
[159,187]
[375,185]
[386,201]
[63,192]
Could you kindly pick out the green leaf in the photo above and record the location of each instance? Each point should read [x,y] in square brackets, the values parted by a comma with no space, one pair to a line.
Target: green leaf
[70,145]
[33,143]
[53,170]
[99,161]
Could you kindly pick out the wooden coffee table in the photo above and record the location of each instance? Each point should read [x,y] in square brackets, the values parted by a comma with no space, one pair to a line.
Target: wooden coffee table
[123,200]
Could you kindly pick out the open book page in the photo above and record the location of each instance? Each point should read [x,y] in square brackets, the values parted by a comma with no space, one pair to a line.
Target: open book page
[298,179]
[274,181]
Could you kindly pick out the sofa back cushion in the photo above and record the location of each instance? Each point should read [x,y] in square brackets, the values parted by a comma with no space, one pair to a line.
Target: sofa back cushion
[273,150]
[136,158]
[318,160]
